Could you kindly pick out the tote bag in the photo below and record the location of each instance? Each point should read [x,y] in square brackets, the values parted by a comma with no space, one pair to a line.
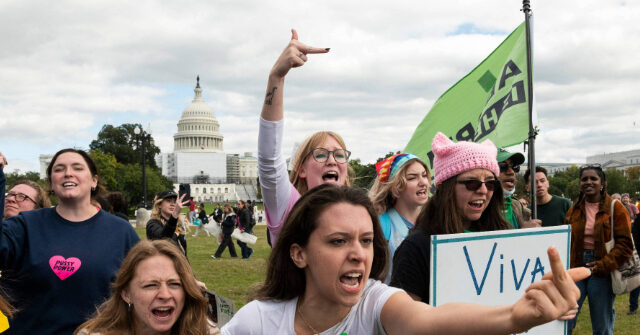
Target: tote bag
[627,277]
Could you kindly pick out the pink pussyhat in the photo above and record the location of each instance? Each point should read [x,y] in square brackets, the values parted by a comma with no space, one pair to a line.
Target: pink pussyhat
[452,159]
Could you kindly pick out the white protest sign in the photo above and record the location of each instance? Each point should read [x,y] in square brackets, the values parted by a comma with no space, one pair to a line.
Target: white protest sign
[221,309]
[495,268]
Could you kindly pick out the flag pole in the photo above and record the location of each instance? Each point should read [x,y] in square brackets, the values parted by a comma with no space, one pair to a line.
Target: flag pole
[526,8]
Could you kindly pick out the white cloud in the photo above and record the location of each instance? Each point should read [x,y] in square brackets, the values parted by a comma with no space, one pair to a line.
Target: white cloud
[68,67]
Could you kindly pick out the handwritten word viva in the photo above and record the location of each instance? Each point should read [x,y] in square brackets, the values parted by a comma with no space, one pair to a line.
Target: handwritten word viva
[518,270]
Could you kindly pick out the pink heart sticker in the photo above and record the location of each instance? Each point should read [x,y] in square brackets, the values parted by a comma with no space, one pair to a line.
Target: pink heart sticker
[63,268]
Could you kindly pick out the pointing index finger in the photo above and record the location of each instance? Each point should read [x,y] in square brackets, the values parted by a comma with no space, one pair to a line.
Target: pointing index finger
[311,50]
[294,34]
[559,273]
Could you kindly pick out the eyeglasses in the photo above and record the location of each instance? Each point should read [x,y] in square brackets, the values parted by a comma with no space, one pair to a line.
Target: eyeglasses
[474,184]
[20,197]
[321,155]
[505,166]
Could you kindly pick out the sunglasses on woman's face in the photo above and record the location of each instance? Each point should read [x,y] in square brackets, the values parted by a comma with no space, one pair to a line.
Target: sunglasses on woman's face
[474,184]
[505,166]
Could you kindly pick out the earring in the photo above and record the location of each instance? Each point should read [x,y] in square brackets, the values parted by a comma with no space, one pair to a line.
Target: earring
[129,305]
[93,189]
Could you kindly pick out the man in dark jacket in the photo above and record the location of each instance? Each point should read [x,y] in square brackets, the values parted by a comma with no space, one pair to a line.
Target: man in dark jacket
[228,225]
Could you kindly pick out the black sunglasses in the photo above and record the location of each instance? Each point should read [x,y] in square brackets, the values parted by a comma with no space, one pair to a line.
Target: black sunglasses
[505,166]
[474,184]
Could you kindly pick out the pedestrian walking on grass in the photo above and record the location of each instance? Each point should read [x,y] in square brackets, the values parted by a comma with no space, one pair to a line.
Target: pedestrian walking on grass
[228,225]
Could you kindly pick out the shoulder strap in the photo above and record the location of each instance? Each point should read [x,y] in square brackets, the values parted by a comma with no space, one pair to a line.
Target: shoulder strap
[613,202]
[385,222]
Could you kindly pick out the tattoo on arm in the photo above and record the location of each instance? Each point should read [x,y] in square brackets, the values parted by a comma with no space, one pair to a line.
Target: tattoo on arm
[269,98]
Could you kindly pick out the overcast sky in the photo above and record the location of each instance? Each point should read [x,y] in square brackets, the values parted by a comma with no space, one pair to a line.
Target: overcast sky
[69,67]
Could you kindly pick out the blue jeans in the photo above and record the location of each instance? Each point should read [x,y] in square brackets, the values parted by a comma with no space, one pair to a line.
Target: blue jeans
[633,299]
[245,250]
[601,298]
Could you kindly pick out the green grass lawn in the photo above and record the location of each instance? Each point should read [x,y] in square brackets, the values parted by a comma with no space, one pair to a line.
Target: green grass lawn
[234,277]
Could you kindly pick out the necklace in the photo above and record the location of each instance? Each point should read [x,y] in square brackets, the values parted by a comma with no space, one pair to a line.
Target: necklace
[305,322]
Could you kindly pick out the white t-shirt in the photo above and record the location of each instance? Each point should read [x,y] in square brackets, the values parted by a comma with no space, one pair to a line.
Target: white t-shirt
[277,317]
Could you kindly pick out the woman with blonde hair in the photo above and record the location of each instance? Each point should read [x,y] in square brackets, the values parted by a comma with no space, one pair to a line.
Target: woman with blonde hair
[154,293]
[398,194]
[163,223]
[321,159]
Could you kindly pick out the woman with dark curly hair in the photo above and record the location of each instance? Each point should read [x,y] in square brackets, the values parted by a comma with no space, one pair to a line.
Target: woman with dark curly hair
[590,219]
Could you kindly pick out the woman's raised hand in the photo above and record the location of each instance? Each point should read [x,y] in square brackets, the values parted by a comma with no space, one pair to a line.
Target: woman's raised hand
[554,297]
[294,55]
[180,204]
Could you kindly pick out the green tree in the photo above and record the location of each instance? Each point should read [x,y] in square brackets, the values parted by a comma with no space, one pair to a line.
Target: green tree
[127,178]
[107,166]
[13,177]
[122,143]
[633,173]
[573,189]
[365,174]
[130,182]
[616,181]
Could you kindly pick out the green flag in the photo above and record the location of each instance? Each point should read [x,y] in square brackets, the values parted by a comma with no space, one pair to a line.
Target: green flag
[488,103]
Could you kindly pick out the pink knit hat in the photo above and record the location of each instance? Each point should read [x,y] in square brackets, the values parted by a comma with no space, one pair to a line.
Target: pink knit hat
[452,159]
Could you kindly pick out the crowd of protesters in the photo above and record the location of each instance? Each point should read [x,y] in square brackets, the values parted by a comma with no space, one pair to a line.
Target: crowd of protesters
[343,261]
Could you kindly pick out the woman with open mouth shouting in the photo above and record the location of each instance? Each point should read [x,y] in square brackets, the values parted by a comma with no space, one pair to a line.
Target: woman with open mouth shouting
[323,278]
[320,159]
[398,194]
[58,263]
[468,197]
[155,293]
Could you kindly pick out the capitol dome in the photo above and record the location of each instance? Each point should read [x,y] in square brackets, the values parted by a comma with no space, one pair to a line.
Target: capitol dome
[198,129]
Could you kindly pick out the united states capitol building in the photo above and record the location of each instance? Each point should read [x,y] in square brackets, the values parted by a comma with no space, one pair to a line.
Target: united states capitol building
[198,158]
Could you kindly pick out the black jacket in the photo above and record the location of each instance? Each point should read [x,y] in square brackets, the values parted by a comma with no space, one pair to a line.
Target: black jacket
[245,219]
[157,231]
[229,224]
[217,215]
[202,215]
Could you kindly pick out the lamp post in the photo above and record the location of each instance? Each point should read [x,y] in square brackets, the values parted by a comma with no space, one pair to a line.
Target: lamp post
[142,138]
